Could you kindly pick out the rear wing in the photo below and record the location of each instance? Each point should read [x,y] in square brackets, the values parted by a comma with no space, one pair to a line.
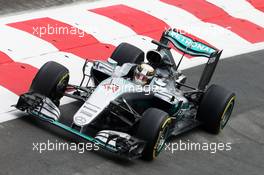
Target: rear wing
[195,48]
[189,45]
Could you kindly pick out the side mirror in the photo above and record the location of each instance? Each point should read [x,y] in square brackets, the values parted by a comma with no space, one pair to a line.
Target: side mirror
[87,68]
[112,62]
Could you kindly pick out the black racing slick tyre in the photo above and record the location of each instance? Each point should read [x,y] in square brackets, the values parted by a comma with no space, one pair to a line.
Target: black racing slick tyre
[51,81]
[127,53]
[216,108]
[154,129]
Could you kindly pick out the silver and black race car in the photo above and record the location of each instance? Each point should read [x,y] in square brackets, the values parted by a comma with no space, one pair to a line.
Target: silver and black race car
[131,107]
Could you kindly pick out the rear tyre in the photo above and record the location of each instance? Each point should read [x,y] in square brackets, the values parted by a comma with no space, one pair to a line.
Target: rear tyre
[127,53]
[216,108]
[154,129]
[51,81]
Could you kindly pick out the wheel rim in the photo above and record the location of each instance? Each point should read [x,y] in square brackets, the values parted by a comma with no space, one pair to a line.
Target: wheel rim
[59,89]
[227,112]
[162,137]
[62,85]
[162,140]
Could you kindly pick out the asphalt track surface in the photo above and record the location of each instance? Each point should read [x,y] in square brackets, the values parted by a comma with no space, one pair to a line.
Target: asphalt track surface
[242,74]
[14,6]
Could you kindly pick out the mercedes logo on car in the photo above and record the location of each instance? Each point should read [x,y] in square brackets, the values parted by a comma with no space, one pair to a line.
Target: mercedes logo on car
[79,120]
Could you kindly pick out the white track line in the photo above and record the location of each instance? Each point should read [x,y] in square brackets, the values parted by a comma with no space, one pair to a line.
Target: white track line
[104,29]
[99,26]
[20,45]
[241,9]
[8,98]
[10,115]
[181,19]
[6,111]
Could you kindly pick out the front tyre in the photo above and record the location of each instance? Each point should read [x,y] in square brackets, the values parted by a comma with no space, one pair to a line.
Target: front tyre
[216,108]
[51,81]
[154,129]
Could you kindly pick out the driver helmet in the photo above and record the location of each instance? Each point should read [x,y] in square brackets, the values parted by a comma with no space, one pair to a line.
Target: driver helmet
[143,74]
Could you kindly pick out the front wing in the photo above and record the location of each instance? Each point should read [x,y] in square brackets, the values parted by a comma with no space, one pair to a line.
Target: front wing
[129,146]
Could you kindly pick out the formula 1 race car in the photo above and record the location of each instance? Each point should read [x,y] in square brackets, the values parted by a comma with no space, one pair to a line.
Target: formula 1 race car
[131,107]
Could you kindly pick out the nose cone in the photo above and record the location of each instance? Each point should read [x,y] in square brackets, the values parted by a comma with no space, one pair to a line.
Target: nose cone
[107,91]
